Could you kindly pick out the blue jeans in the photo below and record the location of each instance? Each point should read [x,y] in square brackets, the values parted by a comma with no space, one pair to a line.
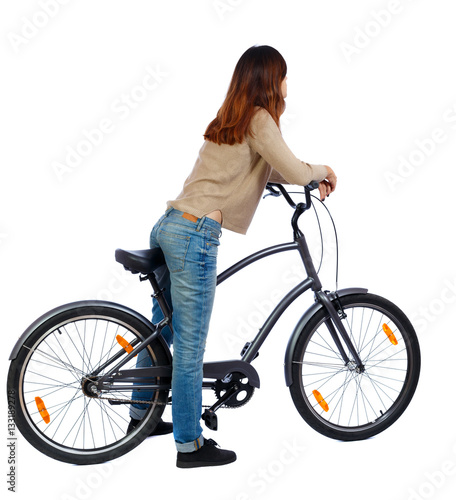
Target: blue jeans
[190,250]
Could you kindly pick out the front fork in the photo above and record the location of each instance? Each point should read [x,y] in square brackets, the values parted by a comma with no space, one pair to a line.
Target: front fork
[323,298]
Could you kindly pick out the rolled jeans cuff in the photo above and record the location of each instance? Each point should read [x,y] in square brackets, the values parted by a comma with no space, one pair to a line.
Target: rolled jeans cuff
[190,446]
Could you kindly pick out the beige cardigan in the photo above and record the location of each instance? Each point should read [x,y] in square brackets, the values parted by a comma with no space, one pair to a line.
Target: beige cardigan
[232,178]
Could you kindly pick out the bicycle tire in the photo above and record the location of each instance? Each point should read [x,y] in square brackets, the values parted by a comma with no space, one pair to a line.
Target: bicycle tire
[333,397]
[53,364]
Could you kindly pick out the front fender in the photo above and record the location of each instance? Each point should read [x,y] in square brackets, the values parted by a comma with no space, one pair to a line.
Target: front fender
[77,305]
[313,309]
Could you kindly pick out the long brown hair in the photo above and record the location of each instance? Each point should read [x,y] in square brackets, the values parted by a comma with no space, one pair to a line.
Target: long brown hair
[256,81]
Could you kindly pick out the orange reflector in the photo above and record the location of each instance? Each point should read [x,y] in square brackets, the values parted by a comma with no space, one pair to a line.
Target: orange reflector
[42,409]
[389,334]
[320,400]
[124,344]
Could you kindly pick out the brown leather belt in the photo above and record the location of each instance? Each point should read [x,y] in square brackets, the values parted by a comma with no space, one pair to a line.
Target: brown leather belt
[190,217]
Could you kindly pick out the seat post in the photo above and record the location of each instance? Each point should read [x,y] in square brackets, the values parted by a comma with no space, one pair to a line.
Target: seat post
[159,295]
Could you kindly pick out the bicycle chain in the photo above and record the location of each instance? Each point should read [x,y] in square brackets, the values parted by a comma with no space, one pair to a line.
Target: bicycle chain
[131,401]
[142,402]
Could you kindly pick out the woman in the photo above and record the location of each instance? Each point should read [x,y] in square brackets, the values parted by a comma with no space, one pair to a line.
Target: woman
[242,151]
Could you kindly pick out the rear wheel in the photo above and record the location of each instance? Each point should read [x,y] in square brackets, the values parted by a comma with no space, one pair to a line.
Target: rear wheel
[57,406]
[337,399]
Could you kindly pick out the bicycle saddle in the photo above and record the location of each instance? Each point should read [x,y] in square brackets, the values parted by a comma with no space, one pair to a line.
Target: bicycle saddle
[140,261]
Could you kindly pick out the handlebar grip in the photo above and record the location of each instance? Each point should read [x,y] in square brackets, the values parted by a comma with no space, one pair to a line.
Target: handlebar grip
[312,185]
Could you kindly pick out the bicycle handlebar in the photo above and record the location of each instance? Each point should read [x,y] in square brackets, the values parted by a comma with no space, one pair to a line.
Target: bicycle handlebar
[299,208]
[272,188]
[313,185]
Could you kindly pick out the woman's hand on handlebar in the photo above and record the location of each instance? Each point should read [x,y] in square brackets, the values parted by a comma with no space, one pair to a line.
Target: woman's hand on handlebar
[328,185]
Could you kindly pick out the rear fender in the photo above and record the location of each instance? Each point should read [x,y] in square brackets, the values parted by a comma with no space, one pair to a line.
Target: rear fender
[78,305]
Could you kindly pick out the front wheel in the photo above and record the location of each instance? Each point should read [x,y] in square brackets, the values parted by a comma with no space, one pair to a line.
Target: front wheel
[336,398]
[53,389]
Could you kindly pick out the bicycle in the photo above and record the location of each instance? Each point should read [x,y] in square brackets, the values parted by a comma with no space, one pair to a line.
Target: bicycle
[352,363]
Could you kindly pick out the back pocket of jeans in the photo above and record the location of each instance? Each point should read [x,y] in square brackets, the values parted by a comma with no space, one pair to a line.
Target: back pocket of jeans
[175,247]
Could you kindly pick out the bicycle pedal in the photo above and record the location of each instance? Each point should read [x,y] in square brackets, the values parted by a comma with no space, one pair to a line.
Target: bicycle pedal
[210,419]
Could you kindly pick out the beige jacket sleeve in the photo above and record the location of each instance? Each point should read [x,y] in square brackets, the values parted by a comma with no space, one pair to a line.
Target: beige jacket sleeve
[268,142]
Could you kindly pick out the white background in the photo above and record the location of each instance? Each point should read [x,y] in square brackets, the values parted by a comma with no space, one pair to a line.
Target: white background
[369,83]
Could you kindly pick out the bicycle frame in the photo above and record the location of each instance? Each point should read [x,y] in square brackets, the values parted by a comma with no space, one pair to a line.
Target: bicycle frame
[220,369]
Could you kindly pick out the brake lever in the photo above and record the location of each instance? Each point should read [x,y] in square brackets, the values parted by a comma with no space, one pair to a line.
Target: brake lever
[272,192]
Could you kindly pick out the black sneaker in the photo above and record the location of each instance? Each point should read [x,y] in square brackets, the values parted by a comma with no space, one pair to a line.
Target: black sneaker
[209,454]
[161,429]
